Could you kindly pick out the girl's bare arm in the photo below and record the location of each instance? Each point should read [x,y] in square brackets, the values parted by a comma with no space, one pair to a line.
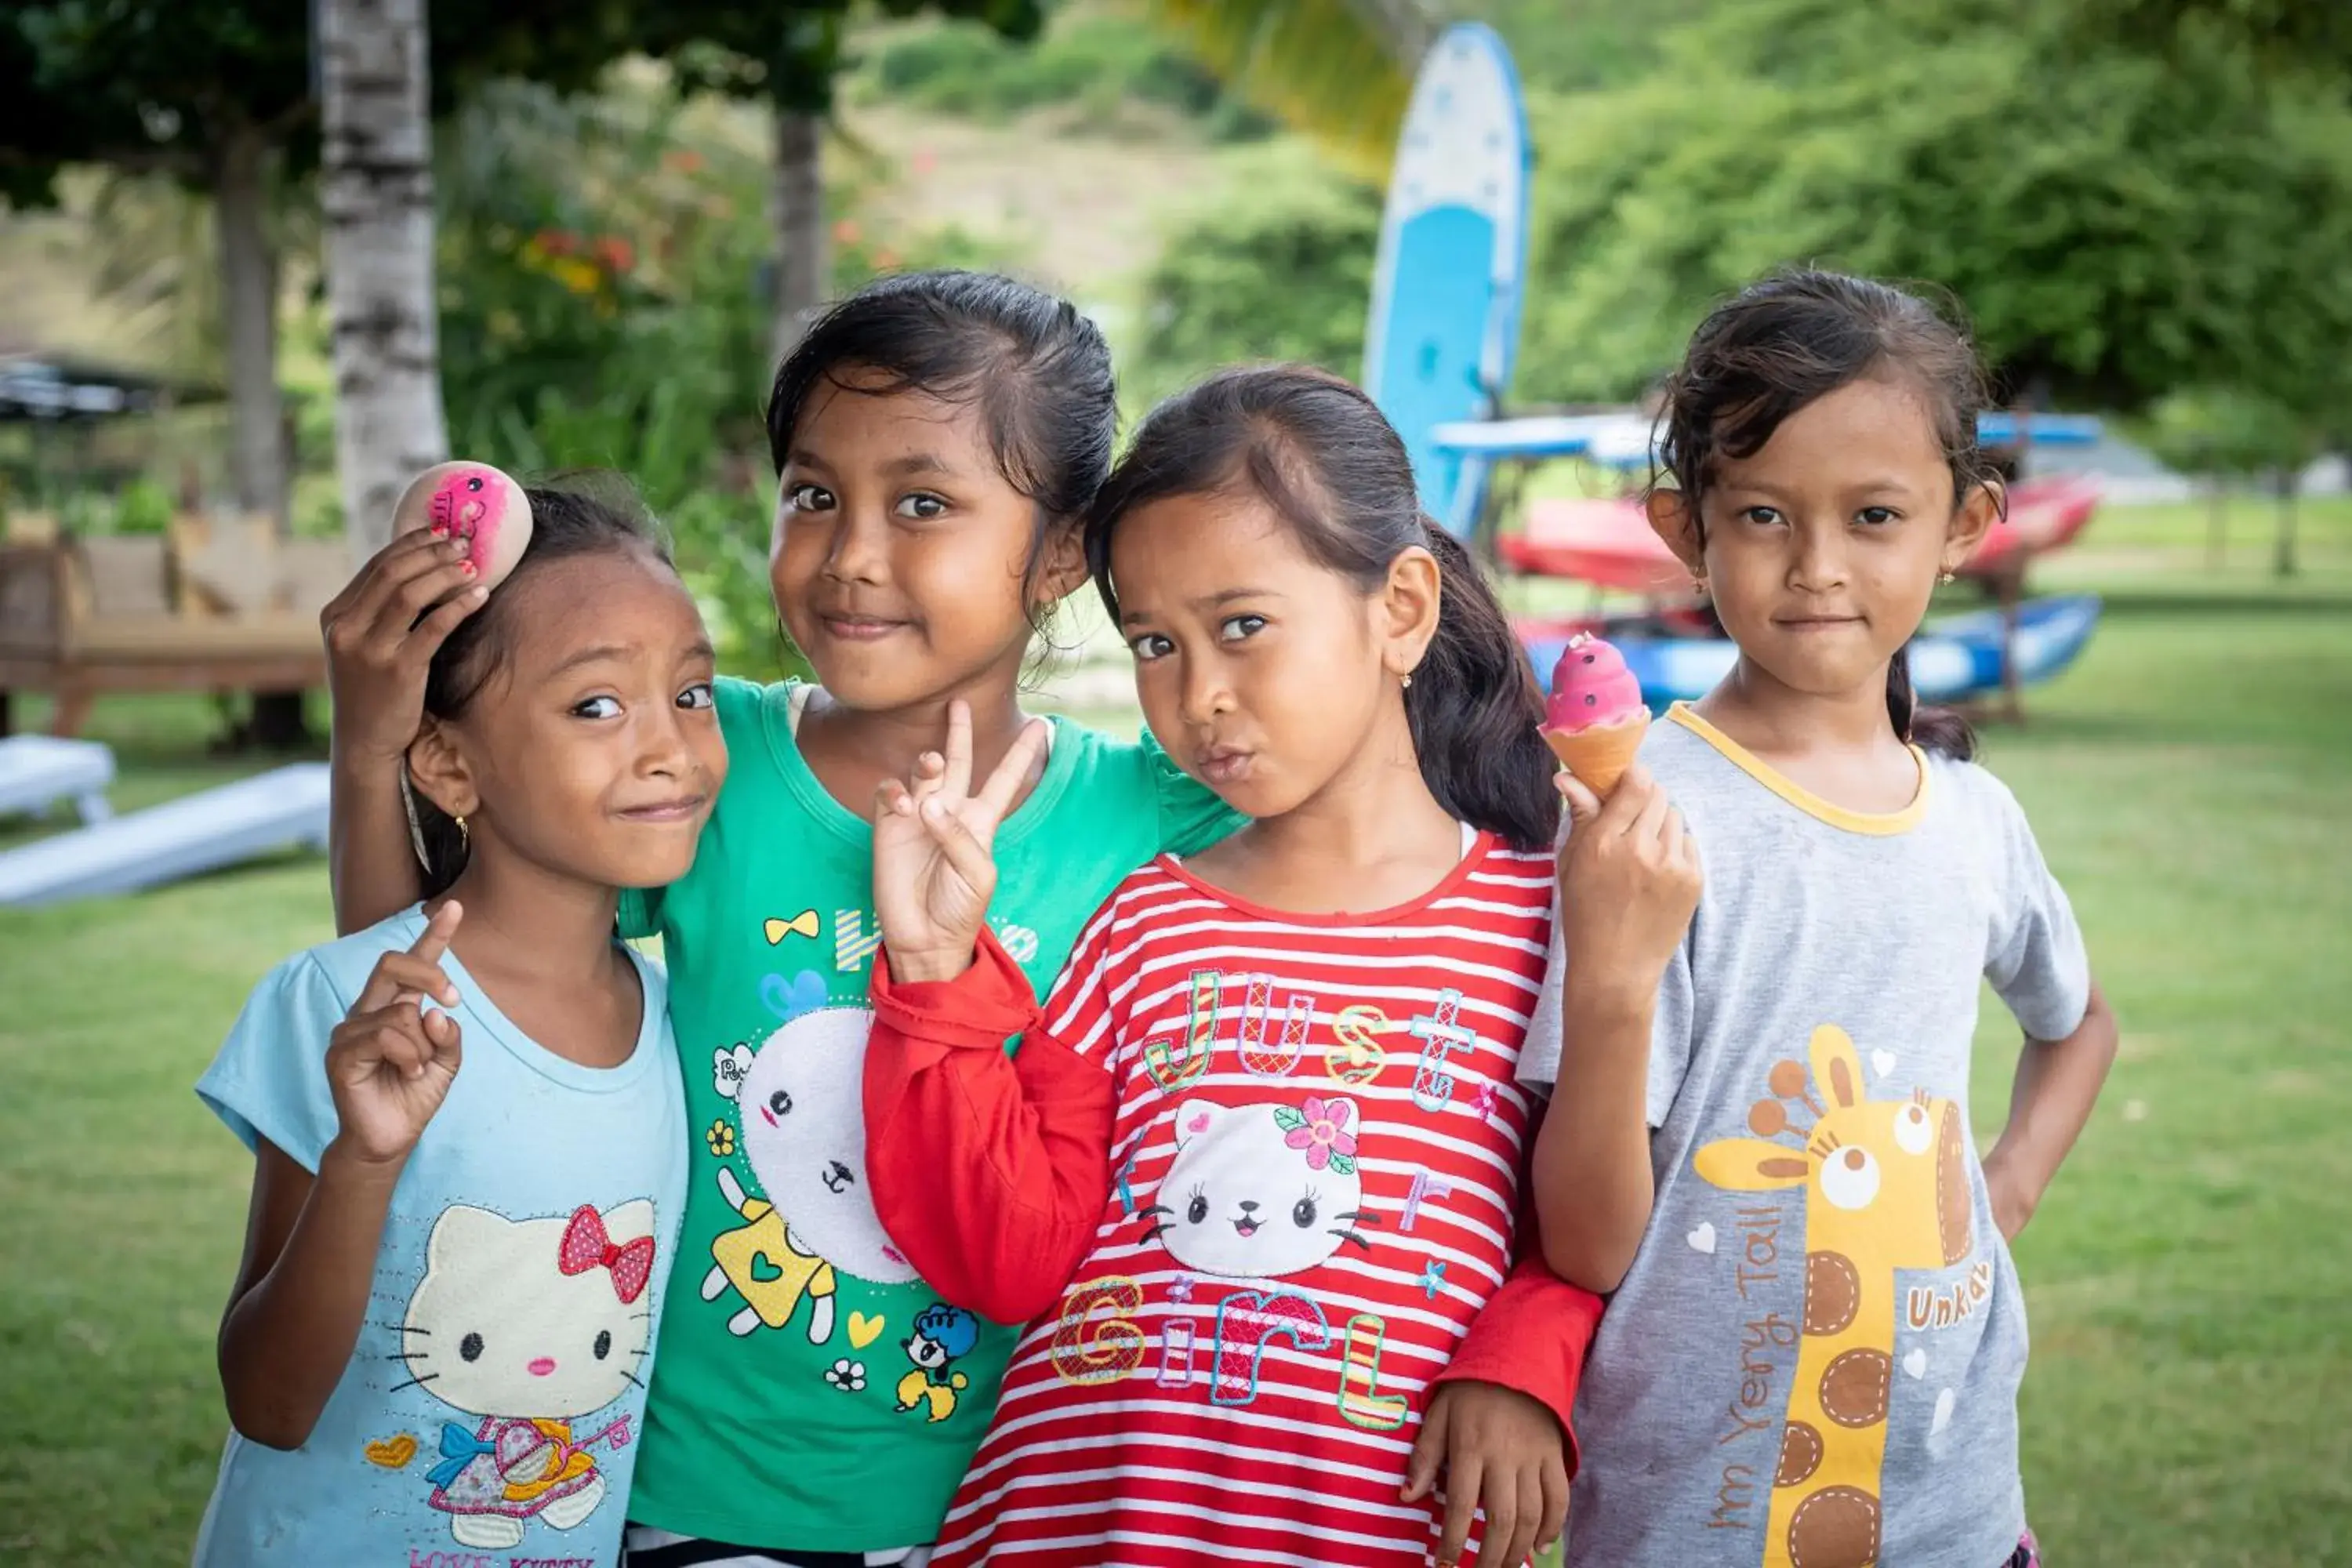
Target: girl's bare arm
[2057,1083]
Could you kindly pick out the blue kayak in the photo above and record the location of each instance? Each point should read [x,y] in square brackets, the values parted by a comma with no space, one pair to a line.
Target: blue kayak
[1951,660]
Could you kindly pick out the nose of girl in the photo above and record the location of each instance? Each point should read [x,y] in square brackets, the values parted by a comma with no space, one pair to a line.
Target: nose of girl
[542,1366]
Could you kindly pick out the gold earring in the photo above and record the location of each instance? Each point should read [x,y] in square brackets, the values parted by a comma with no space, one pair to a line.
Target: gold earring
[1946,578]
[465,839]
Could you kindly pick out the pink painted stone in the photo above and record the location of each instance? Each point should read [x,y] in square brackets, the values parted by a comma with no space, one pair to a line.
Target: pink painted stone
[474,502]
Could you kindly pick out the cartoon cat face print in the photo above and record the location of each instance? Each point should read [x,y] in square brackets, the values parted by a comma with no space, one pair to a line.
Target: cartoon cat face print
[546,1318]
[803,1114]
[1263,1189]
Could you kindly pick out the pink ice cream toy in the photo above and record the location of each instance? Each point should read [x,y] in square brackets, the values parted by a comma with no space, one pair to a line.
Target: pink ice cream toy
[1595,718]
[473,502]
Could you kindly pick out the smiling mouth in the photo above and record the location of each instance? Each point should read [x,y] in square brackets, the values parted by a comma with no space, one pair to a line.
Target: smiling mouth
[838,1176]
[1245,1229]
[859,629]
[668,810]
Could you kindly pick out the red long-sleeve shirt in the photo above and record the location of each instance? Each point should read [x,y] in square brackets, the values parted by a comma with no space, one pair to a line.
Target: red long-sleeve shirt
[1285,1187]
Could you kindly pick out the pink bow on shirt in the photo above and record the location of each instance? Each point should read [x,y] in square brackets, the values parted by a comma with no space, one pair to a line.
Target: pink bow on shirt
[586,1246]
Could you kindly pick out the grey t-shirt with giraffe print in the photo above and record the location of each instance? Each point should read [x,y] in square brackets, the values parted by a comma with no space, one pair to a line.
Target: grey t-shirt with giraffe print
[1814,1362]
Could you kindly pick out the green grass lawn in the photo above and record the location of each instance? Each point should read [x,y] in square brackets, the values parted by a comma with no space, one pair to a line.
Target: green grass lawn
[2190,1280]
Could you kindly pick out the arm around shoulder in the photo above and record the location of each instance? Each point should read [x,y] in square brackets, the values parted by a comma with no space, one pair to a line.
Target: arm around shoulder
[989,1171]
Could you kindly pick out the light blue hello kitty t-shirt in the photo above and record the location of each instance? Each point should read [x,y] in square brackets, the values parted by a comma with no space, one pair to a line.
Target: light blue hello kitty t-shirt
[489,1414]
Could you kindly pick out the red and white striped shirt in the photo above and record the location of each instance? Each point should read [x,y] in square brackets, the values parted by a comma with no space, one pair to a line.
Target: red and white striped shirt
[1316,1150]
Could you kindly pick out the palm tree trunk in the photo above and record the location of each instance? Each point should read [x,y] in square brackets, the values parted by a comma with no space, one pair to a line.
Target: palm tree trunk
[378,194]
[248,271]
[797,210]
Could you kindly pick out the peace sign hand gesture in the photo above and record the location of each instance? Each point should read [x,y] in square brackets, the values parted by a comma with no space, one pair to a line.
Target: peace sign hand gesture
[933,867]
[390,1063]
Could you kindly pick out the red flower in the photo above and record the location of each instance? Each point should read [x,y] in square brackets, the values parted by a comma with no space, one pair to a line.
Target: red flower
[615,254]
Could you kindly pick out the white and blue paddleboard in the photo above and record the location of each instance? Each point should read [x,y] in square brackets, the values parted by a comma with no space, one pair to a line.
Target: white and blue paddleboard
[1445,326]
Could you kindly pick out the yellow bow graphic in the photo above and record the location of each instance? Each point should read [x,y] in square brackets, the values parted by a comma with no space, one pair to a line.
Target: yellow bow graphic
[801,924]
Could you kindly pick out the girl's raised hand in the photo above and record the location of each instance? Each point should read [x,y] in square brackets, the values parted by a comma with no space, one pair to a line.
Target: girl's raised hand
[934,870]
[390,1063]
[1629,883]
[379,637]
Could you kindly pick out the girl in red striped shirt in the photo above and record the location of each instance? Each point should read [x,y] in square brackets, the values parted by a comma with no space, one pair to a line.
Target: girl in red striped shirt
[1255,1168]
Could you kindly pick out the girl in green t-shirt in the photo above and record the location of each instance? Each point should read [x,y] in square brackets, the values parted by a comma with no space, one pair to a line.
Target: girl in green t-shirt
[938,437]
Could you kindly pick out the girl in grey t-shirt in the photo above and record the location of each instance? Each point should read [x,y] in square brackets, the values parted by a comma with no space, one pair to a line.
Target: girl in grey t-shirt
[1816,1337]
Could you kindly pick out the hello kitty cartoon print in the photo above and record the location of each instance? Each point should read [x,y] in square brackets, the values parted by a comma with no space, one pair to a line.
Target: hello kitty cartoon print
[1262,1190]
[531,1327]
[803,1130]
[1314,1160]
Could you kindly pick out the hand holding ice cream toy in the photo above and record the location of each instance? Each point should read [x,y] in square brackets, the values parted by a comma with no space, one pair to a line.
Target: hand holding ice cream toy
[1595,718]
[472,502]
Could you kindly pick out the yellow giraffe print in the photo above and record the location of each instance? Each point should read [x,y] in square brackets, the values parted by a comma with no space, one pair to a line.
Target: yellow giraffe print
[1886,1187]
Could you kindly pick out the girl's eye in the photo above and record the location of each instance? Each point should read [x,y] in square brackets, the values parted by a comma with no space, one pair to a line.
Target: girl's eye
[809,498]
[922,506]
[1235,628]
[1876,516]
[1761,516]
[597,708]
[1151,646]
[697,695]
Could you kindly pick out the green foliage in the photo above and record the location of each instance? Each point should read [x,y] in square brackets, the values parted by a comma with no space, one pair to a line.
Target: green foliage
[792,62]
[1280,267]
[2118,222]
[1576,46]
[1099,63]
[149,85]
[2220,431]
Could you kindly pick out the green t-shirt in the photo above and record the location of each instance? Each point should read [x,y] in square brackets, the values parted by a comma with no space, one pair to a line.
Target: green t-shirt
[811,1391]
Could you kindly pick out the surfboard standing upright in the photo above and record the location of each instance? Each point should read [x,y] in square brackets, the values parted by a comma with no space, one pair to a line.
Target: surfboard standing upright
[1445,326]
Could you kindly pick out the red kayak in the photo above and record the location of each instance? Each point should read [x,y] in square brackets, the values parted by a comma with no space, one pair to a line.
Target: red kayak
[1609,545]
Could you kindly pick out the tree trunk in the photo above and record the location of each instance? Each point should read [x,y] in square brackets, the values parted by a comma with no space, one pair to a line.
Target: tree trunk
[377,191]
[248,269]
[2217,529]
[797,209]
[2289,483]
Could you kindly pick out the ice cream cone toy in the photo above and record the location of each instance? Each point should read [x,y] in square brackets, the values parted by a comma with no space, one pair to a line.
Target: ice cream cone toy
[475,504]
[1595,718]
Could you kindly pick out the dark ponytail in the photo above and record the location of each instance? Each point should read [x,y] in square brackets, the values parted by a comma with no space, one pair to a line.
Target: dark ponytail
[1318,452]
[1929,729]
[1780,344]
[591,515]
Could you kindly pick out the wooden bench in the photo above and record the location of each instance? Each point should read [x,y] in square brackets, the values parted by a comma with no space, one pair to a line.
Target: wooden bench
[210,607]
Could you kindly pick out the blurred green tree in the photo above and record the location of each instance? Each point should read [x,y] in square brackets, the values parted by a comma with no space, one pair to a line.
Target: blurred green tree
[2121,219]
[789,59]
[2227,436]
[219,97]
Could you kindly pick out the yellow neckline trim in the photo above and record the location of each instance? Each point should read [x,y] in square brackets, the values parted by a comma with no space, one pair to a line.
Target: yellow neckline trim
[1880,825]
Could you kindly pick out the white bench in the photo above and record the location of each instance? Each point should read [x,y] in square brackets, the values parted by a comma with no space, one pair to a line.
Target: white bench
[285,809]
[37,770]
